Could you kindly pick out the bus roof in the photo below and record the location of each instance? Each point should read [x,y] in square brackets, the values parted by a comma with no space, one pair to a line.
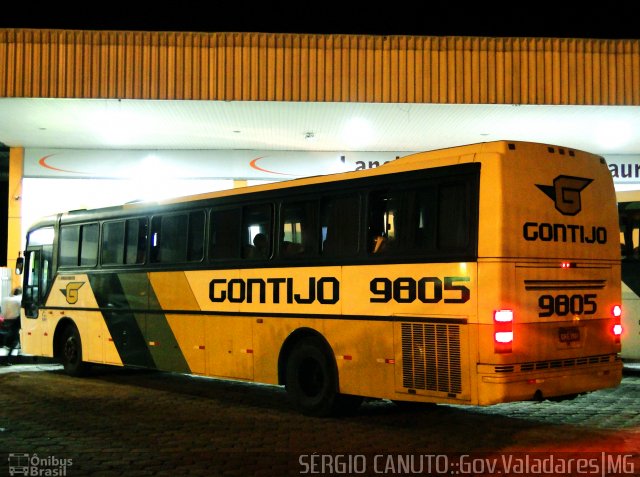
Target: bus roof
[435,158]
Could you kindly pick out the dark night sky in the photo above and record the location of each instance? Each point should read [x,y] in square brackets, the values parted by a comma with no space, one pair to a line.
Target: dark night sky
[605,20]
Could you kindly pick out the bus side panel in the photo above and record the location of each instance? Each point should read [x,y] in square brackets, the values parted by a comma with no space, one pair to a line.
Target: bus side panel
[73,296]
[186,332]
[364,356]
[421,348]
[229,346]
[269,334]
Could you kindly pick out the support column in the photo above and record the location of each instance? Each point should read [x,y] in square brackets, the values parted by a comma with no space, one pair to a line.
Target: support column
[239,183]
[14,227]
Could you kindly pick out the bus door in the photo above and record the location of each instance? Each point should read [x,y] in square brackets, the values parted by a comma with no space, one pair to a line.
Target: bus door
[36,284]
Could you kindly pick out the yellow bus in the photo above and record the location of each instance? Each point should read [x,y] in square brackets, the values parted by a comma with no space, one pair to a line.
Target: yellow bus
[629,213]
[471,275]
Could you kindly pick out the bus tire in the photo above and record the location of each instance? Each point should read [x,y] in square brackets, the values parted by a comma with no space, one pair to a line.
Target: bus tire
[312,381]
[71,352]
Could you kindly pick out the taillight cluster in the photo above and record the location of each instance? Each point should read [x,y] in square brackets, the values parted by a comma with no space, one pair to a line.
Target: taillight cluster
[503,328]
[503,331]
[617,327]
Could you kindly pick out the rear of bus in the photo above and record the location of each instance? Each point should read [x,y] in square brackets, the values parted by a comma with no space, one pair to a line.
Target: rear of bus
[548,274]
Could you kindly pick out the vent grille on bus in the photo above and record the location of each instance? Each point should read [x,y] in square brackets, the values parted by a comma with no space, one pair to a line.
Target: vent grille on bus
[431,357]
[560,363]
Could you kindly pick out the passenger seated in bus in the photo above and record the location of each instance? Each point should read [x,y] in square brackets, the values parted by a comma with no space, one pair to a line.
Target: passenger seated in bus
[379,244]
[291,249]
[261,246]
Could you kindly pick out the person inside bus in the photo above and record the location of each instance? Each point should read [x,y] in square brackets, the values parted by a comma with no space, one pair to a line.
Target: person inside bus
[11,313]
[261,246]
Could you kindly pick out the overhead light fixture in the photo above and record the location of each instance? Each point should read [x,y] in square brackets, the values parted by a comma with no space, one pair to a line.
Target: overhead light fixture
[614,134]
[357,133]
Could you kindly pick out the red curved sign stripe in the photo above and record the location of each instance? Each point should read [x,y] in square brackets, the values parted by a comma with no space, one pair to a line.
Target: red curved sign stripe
[43,163]
[253,164]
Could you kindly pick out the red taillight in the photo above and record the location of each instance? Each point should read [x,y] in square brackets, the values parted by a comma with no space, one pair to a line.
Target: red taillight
[616,311]
[504,337]
[503,331]
[503,316]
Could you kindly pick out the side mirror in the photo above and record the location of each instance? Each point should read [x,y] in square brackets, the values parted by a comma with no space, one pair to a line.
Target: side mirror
[19,265]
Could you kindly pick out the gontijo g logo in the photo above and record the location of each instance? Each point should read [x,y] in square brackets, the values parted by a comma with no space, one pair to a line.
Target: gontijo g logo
[565,192]
[71,292]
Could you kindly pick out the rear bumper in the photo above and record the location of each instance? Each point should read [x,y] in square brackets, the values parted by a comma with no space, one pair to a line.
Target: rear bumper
[513,384]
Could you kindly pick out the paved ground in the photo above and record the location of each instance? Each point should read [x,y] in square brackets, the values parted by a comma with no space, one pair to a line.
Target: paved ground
[132,423]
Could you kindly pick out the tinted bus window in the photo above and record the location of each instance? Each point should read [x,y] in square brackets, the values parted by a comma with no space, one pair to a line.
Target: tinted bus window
[79,245]
[453,217]
[256,231]
[69,245]
[299,229]
[135,241]
[170,243]
[124,242]
[340,225]
[195,237]
[425,219]
[89,245]
[112,243]
[224,234]
[385,230]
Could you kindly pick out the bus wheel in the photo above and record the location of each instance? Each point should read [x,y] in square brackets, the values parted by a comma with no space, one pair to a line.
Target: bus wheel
[312,381]
[71,352]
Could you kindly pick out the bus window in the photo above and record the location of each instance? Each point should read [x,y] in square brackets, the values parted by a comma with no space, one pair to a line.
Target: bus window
[224,243]
[384,217]
[168,240]
[299,229]
[425,219]
[112,241]
[170,243]
[195,237]
[135,241]
[453,217]
[124,242]
[339,225]
[69,245]
[79,245]
[89,245]
[256,230]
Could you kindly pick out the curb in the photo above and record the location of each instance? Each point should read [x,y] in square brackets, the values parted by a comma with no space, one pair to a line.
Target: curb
[631,369]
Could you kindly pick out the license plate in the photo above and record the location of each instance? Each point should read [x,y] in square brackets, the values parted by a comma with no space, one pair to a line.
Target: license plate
[569,335]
